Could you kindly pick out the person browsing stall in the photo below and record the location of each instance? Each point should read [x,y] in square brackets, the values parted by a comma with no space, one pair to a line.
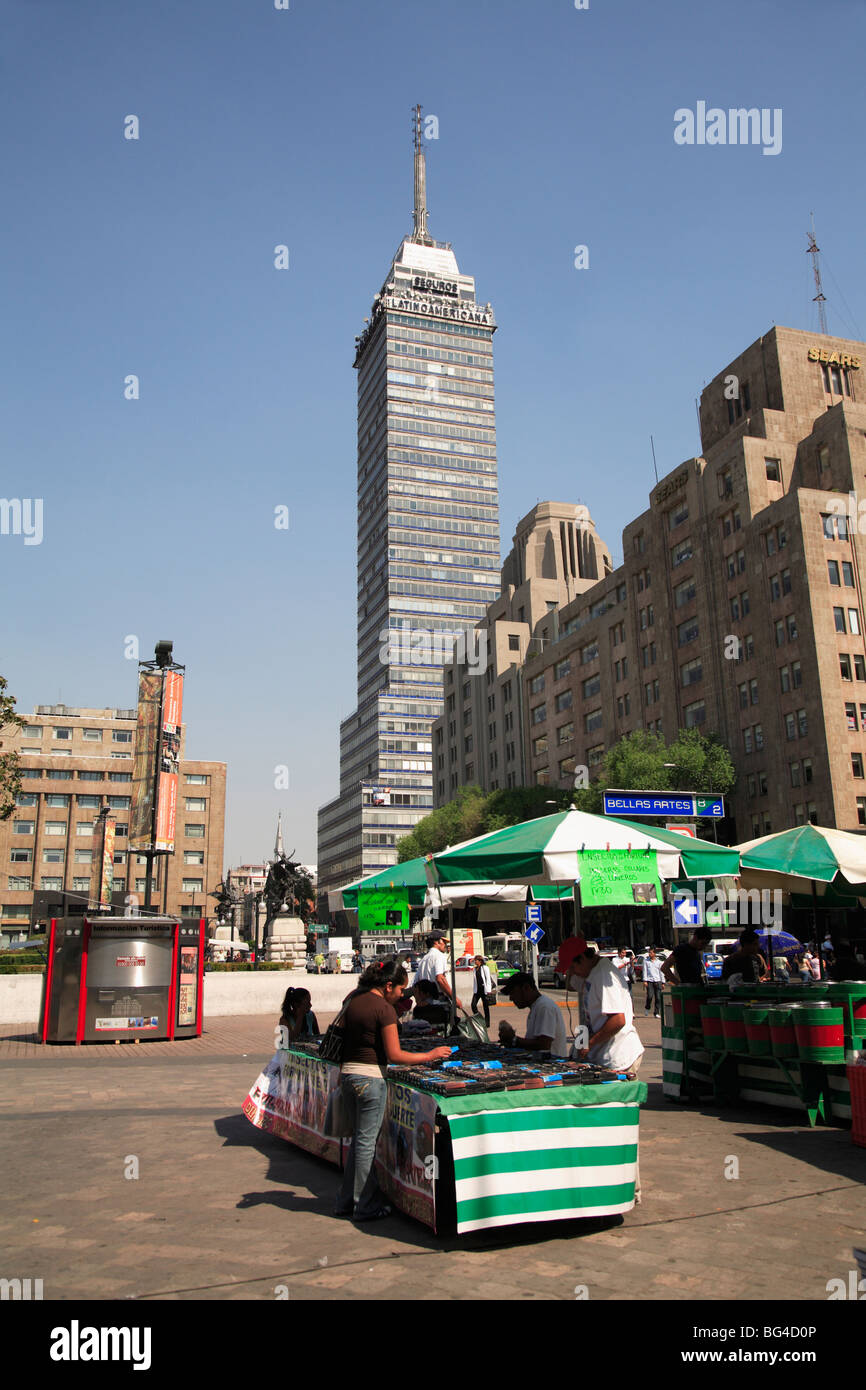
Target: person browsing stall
[685,965]
[746,961]
[434,967]
[428,1005]
[371,1041]
[297,1015]
[545,1027]
[607,1012]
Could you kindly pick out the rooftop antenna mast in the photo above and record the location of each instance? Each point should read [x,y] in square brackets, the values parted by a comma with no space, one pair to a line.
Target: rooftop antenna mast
[420,232]
[820,298]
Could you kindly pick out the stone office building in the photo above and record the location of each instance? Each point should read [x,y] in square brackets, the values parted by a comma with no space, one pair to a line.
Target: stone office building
[738,608]
[71,759]
[557,555]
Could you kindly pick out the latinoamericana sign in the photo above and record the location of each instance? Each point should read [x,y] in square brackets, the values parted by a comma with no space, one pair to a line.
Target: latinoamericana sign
[663,804]
[440,309]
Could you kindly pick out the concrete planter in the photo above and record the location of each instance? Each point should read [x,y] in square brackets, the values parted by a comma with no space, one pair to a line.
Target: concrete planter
[225,992]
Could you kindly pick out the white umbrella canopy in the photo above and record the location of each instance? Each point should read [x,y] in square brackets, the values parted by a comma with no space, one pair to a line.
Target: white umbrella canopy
[831,860]
[546,850]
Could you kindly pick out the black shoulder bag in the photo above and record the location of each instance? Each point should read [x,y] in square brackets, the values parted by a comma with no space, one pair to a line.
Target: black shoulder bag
[333,1044]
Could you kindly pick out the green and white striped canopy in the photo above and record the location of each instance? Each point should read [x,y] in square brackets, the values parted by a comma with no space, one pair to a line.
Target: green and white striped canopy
[545,850]
[789,858]
[412,876]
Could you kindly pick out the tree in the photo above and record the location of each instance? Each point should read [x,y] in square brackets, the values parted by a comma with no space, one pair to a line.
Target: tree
[10,767]
[641,761]
[471,813]
[458,820]
[702,763]
[510,806]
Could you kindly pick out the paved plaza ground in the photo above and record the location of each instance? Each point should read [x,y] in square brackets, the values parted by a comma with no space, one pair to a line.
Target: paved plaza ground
[221,1211]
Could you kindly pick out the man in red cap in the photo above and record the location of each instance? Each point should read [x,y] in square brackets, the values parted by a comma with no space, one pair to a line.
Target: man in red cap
[606,1008]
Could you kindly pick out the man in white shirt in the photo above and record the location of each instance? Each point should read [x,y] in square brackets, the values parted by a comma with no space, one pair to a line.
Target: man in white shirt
[607,1011]
[434,967]
[624,966]
[545,1027]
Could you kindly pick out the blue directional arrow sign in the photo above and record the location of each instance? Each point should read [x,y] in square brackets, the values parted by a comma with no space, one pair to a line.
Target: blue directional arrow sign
[533,934]
[687,912]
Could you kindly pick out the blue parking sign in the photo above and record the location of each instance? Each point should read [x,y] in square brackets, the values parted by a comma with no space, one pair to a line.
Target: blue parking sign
[533,912]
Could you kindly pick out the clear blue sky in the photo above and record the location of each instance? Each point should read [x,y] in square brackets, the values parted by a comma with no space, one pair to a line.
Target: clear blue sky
[260,127]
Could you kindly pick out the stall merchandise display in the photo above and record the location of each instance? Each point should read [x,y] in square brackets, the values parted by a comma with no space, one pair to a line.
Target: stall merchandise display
[477,1068]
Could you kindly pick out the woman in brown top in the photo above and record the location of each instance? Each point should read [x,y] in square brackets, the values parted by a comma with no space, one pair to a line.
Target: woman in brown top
[371,1042]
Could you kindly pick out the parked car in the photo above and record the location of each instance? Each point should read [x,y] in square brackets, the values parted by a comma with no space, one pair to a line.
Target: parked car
[465,963]
[501,969]
[548,972]
[712,965]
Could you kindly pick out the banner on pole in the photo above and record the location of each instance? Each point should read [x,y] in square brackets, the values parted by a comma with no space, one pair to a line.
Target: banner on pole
[144,760]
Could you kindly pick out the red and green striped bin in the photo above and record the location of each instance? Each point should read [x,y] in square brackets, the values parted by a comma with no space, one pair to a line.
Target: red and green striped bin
[783,1039]
[820,1033]
[850,996]
[757,1022]
[711,1023]
[686,1002]
[734,1027]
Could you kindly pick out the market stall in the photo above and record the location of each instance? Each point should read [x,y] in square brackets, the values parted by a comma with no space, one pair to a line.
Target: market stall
[477,1143]
[779,1045]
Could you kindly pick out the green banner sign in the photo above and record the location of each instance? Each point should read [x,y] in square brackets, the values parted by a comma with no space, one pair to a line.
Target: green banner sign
[616,877]
[383,910]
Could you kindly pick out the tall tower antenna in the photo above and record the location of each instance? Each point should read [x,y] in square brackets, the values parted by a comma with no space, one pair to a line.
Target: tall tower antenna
[820,298]
[420,232]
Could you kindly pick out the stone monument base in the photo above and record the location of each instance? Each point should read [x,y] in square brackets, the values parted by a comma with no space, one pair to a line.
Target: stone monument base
[287,942]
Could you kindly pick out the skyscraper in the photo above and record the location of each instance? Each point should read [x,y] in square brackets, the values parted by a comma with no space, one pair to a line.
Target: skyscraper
[428,536]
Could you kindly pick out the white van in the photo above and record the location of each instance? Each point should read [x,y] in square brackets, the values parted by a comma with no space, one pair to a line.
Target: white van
[722,945]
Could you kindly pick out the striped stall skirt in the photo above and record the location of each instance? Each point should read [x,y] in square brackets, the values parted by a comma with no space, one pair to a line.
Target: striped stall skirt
[544,1163]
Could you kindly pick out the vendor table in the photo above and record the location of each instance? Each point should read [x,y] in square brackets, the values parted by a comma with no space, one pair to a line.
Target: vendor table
[473,1161]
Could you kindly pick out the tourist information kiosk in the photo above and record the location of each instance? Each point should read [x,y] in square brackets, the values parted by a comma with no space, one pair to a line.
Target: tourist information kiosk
[114,979]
